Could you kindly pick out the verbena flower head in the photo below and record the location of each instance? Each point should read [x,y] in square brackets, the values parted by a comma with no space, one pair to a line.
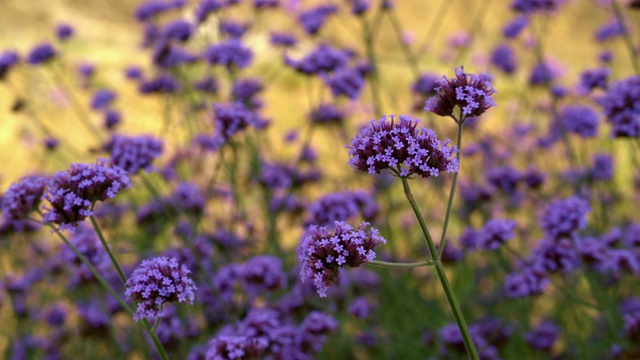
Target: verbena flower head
[134,153]
[23,197]
[64,31]
[313,19]
[532,6]
[471,93]
[231,118]
[603,168]
[515,26]
[87,242]
[594,78]
[342,206]
[400,147]
[262,274]
[283,39]
[324,250]
[41,54]
[322,59]
[425,85]
[102,98]
[504,58]
[580,119]
[162,84]
[563,217]
[235,347]
[621,106]
[72,193]
[543,336]
[327,113]
[156,282]
[180,30]
[231,53]
[345,82]
[610,30]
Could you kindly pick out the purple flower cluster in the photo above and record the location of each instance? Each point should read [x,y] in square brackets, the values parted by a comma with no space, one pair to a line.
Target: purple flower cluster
[313,19]
[345,82]
[262,274]
[235,347]
[581,120]
[401,148]
[621,106]
[23,197]
[342,206]
[322,59]
[504,58]
[134,153]
[72,193]
[87,242]
[324,250]
[156,282]
[230,53]
[102,98]
[229,119]
[7,60]
[496,232]
[41,54]
[596,78]
[471,93]
[564,217]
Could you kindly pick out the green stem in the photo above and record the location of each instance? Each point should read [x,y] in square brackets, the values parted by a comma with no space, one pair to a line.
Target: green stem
[385,264]
[371,57]
[452,192]
[626,36]
[106,247]
[442,276]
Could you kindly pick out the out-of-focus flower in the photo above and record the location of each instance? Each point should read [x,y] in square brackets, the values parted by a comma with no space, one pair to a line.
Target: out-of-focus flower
[504,58]
[102,99]
[41,54]
[134,153]
[515,27]
[23,197]
[580,119]
[621,106]
[495,232]
[230,53]
[563,217]
[64,31]
[313,19]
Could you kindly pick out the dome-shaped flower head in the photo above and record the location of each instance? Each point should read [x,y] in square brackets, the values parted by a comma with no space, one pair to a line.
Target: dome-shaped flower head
[515,26]
[322,59]
[621,106]
[425,85]
[282,39]
[41,54]
[580,119]
[235,347]
[23,197]
[543,336]
[594,78]
[313,19]
[603,168]
[345,82]
[231,118]
[504,58]
[471,93]
[156,282]
[162,84]
[327,114]
[400,147]
[180,30]
[86,241]
[324,250]
[72,193]
[231,53]
[134,153]
[563,217]
[262,274]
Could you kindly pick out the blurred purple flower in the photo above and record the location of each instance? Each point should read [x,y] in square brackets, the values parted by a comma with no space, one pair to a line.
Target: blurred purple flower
[563,217]
[230,53]
[102,99]
[495,232]
[313,19]
[621,106]
[23,197]
[134,153]
[64,31]
[41,54]
[580,119]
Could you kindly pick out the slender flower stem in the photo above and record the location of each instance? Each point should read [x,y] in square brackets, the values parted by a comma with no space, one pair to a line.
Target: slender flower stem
[444,281]
[107,249]
[385,264]
[452,192]
[626,36]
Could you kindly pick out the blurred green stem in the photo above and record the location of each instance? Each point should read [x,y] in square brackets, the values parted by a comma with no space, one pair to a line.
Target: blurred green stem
[444,281]
[385,264]
[107,249]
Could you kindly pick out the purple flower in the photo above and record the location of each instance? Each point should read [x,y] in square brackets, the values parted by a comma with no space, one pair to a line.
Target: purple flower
[245,90]
[23,197]
[151,8]
[542,74]
[621,106]
[496,232]
[134,153]
[162,84]
[133,72]
[532,6]
[64,31]
[7,60]
[515,27]
[325,250]
[231,53]
[262,274]
[361,307]
[603,168]
[342,206]
[72,193]
[400,147]
[505,178]
[41,54]
[166,55]
[543,336]
[313,19]
[504,58]
[206,7]
[233,29]
[595,78]
[230,119]
[322,59]
[156,282]
[283,39]
[111,119]
[180,30]
[471,93]
[207,84]
[610,30]
[265,4]
[235,347]
[557,255]
[580,119]
[563,217]
[345,81]
[425,85]
[188,198]
[327,114]
[87,242]
[531,280]
[102,98]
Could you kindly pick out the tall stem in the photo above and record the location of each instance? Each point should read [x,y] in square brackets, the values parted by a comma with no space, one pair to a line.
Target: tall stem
[107,249]
[442,276]
[452,192]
